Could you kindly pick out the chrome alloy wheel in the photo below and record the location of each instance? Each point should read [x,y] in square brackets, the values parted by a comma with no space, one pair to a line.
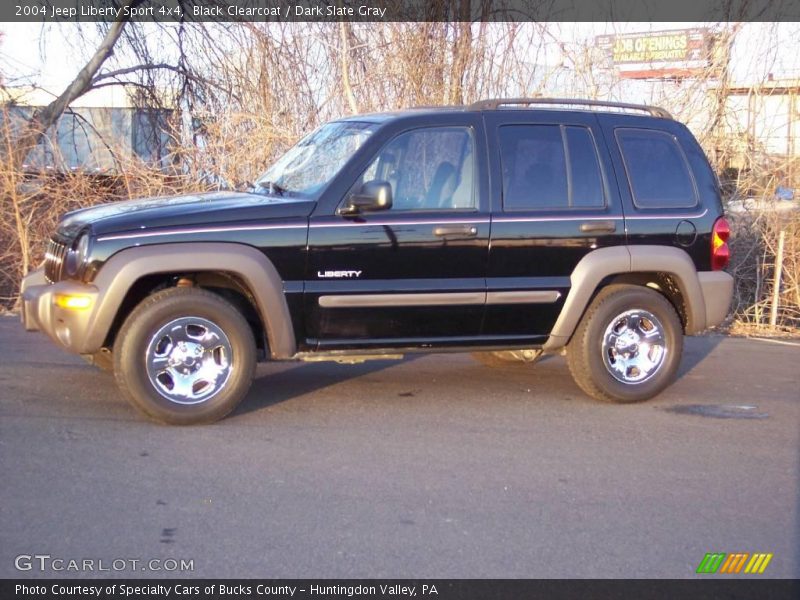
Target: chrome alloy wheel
[634,346]
[189,360]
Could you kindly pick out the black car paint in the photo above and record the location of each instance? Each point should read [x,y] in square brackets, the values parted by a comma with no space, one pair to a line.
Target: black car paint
[398,252]
[277,226]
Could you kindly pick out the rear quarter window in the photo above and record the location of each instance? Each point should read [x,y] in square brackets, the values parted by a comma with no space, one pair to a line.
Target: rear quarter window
[657,169]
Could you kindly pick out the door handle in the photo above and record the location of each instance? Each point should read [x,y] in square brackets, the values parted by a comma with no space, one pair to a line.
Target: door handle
[599,227]
[455,230]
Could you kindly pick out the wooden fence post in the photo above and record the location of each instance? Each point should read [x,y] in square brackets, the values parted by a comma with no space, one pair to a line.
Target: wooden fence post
[776,288]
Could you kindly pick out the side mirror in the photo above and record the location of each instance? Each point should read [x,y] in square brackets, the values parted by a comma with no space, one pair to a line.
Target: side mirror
[373,195]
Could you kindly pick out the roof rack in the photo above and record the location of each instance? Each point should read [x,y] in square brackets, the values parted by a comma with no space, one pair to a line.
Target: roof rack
[496,103]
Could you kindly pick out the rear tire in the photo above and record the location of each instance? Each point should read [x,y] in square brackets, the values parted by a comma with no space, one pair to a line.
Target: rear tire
[628,345]
[184,356]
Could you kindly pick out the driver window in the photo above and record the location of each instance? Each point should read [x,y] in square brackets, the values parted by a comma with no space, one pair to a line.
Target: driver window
[428,169]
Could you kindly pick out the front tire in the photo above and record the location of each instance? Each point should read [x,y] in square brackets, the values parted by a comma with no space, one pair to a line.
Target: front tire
[628,345]
[184,356]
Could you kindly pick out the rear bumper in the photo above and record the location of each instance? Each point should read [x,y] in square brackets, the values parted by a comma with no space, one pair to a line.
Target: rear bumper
[68,327]
[717,288]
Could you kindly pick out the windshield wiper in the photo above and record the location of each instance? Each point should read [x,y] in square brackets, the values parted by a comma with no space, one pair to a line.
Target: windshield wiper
[272,187]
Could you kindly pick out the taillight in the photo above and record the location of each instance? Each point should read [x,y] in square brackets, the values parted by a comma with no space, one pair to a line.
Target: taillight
[720,251]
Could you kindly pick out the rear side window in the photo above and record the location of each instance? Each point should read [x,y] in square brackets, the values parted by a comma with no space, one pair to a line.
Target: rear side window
[657,169]
[549,167]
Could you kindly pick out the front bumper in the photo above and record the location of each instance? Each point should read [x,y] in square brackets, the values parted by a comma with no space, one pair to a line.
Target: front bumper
[68,327]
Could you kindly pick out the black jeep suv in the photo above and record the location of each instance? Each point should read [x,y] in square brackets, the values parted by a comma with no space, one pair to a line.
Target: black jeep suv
[508,228]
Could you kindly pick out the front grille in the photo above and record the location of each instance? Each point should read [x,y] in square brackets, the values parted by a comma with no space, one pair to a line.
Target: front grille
[54,260]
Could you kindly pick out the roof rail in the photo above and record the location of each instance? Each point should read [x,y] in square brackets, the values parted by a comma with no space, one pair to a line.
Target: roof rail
[496,103]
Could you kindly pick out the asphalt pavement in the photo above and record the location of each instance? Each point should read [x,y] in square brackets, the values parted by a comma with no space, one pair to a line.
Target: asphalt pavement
[432,467]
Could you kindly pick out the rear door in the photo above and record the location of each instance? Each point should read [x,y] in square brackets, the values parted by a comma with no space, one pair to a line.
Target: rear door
[413,275]
[554,201]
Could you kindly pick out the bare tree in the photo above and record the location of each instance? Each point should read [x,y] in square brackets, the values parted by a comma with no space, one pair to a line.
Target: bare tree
[247,91]
[45,117]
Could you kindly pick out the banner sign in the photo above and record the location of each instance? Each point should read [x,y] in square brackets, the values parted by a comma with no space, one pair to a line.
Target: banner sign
[659,54]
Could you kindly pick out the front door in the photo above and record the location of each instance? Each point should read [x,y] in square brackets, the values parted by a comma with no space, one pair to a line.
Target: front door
[413,274]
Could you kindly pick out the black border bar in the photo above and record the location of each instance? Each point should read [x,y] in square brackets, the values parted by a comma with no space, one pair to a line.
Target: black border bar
[54,11]
[372,589]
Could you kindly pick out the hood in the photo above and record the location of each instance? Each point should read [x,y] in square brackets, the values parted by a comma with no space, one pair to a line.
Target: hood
[190,209]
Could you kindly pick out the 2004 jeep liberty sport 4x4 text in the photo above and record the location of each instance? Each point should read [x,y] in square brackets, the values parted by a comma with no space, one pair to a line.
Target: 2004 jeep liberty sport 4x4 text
[507,228]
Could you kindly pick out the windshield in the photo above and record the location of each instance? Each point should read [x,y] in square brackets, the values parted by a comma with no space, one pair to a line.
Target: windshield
[308,167]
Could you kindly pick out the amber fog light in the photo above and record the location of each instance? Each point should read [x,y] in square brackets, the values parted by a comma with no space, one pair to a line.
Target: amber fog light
[73,301]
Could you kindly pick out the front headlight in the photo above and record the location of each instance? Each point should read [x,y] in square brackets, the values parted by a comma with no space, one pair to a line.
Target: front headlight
[77,255]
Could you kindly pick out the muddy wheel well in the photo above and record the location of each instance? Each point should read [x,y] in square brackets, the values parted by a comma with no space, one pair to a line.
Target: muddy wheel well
[228,285]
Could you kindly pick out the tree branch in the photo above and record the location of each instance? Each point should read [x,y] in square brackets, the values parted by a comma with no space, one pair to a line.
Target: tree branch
[46,117]
[125,71]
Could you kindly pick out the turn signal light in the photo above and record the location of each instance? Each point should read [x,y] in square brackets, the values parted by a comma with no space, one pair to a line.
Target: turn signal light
[73,301]
[720,251]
